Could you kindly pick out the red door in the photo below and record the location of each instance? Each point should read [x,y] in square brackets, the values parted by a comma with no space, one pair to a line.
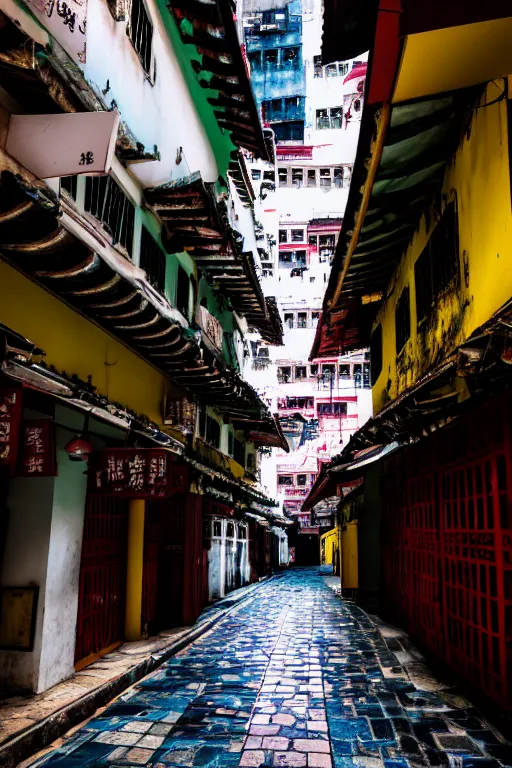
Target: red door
[101,597]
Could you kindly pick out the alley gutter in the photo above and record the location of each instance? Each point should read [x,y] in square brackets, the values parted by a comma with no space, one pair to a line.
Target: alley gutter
[40,735]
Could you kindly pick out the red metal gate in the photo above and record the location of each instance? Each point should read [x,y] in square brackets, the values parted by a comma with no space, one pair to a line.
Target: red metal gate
[447,545]
[101,597]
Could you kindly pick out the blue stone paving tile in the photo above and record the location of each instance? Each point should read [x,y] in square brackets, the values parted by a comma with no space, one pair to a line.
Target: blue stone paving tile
[295,667]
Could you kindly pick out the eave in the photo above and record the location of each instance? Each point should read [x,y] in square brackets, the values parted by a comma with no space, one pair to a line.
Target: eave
[47,240]
[211,28]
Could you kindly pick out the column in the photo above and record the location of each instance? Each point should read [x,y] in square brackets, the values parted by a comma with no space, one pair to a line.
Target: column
[135,564]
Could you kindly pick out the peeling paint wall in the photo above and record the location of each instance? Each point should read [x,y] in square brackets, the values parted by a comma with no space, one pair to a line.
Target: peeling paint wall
[479,177]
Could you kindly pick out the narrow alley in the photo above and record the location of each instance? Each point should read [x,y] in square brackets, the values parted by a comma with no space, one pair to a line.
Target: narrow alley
[295,676]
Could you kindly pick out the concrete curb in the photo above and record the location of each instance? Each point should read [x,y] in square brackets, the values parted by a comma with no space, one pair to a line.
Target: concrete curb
[43,733]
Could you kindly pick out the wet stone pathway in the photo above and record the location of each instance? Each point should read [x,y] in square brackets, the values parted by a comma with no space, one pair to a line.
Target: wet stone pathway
[294,677]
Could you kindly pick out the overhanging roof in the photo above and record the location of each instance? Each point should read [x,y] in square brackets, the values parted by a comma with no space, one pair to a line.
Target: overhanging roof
[196,222]
[211,28]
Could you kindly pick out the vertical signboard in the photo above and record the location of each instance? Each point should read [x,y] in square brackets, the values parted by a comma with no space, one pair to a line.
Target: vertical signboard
[66,20]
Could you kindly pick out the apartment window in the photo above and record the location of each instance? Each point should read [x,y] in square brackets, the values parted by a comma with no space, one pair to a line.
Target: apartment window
[302,480]
[282,175]
[263,352]
[291,57]
[288,319]
[338,177]
[270,57]
[311,178]
[284,374]
[239,452]
[315,316]
[326,243]
[269,175]
[325,178]
[313,241]
[212,435]
[217,529]
[140,32]
[332,409]
[297,235]
[230,530]
[302,320]
[402,320]
[107,202]
[331,70]
[297,176]
[300,257]
[285,479]
[242,532]
[182,292]
[376,354]
[318,70]
[300,371]
[285,257]
[256,174]
[329,118]
[152,260]
[231,443]
[314,369]
[344,371]
[438,264]
[69,183]
[283,236]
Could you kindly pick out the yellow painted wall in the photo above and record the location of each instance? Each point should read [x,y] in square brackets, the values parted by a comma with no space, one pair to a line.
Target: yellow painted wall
[349,556]
[75,345]
[328,546]
[480,177]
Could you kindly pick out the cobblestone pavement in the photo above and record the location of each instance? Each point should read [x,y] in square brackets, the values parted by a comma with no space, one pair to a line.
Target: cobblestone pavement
[295,677]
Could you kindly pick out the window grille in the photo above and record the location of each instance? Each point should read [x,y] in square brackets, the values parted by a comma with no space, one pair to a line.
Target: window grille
[107,202]
[152,260]
[69,183]
[140,32]
[438,263]
[403,320]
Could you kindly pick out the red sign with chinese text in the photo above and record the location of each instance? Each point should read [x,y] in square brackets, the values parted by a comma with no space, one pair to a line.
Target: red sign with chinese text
[10,416]
[134,473]
[37,453]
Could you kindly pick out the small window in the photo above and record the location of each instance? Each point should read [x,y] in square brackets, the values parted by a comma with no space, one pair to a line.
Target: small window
[315,316]
[242,532]
[297,235]
[291,57]
[302,480]
[212,431]
[301,258]
[297,177]
[311,177]
[282,174]
[250,462]
[344,371]
[254,59]
[283,236]
[106,201]
[217,529]
[239,452]
[403,320]
[183,292]
[256,174]
[270,57]
[286,257]
[230,530]
[300,372]
[285,479]
[288,319]
[284,374]
[338,177]
[318,70]
[325,178]
[313,241]
[376,354]
[140,32]
[231,443]
[331,70]
[152,260]
[302,320]
[69,184]
[314,369]
[269,175]
[329,118]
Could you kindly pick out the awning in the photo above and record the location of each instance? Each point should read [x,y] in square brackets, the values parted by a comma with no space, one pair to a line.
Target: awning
[47,240]
[361,463]
[221,69]
[196,222]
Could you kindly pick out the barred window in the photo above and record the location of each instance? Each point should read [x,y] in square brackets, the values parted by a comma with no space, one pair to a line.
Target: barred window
[152,260]
[107,202]
[140,32]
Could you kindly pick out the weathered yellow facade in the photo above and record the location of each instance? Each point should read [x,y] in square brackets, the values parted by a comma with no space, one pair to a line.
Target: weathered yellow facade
[76,345]
[329,546]
[479,179]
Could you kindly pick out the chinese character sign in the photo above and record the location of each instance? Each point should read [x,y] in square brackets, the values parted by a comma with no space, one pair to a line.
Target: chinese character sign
[10,415]
[180,414]
[37,454]
[66,20]
[135,473]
